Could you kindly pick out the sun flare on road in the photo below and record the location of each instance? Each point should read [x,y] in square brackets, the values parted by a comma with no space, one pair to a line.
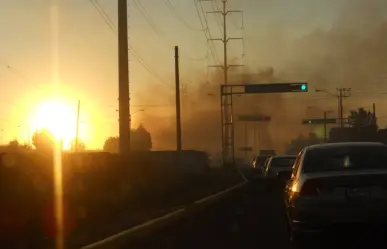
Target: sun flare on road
[58,117]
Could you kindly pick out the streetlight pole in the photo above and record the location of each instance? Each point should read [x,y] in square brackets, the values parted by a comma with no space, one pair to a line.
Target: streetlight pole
[341,93]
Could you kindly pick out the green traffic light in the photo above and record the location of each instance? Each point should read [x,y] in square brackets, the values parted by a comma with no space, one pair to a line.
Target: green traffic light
[303,87]
[309,121]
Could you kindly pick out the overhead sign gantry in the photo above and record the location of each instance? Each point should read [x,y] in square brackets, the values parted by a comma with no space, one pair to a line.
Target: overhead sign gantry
[226,93]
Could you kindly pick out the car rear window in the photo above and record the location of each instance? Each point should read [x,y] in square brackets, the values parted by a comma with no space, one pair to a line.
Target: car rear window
[282,162]
[348,158]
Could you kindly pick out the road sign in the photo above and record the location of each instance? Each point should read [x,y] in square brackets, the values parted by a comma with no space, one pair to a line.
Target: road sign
[317,121]
[246,148]
[254,118]
[276,88]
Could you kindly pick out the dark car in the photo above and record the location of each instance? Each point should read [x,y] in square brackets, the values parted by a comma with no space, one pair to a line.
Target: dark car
[259,163]
[337,184]
[278,167]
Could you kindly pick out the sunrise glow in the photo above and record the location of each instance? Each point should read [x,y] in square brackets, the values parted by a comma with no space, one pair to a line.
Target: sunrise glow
[58,117]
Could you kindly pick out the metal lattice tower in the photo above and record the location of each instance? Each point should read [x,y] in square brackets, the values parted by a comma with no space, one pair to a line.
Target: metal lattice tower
[226,99]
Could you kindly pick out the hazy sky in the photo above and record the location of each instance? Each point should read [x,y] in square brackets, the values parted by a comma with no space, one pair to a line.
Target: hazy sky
[88,50]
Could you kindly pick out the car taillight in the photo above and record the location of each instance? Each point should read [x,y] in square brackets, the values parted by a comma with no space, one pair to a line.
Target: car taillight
[311,187]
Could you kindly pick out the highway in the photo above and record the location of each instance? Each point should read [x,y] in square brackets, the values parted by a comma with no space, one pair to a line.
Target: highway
[252,217]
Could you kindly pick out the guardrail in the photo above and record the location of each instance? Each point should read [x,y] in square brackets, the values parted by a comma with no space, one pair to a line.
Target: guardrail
[119,240]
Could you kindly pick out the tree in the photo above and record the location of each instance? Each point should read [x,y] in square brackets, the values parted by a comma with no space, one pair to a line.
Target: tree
[14,144]
[111,145]
[141,140]
[361,118]
[43,140]
[80,147]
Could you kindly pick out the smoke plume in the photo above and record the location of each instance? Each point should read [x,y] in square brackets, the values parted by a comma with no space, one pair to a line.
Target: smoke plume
[352,53]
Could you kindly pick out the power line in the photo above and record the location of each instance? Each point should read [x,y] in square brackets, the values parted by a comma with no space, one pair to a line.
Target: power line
[104,16]
[138,4]
[144,13]
[215,7]
[207,32]
[177,14]
[103,12]
[22,76]
[113,27]
[209,36]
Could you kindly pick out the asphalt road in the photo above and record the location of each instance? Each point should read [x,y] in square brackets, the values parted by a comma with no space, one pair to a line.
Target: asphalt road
[253,217]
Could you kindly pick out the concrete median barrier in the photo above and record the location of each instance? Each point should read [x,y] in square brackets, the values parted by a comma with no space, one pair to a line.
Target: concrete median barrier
[118,241]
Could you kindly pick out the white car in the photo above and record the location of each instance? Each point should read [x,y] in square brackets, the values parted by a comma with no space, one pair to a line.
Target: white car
[337,184]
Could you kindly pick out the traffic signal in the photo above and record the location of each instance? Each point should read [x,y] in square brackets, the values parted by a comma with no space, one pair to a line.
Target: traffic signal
[317,121]
[254,118]
[276,88]
[265,118]
[306,121]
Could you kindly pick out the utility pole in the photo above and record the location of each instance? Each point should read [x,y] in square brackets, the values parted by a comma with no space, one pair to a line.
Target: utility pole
[123,77]
[342,93]
[325,126]
[374,114]
[246,141]
[77,127]
[226,103]
[178,118]
[255,138]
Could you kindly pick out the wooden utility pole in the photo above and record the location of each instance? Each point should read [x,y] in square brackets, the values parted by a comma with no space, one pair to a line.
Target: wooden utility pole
[178,117]
[123,77]
[325,126]
[77,127]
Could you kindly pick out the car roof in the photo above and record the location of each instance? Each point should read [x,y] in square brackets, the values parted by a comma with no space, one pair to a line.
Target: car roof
[345,144]
[284,156]
[263,156]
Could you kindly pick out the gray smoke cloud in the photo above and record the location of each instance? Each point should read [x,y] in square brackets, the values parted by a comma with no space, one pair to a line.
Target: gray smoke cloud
[353,53]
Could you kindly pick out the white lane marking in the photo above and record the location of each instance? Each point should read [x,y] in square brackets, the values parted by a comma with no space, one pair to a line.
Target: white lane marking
[219,194]
[243,176]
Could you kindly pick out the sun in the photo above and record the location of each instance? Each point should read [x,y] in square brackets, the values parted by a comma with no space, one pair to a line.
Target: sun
[58,117]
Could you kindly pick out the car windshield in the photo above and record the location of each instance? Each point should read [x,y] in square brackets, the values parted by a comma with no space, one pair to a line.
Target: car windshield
[348,158]
[282,161]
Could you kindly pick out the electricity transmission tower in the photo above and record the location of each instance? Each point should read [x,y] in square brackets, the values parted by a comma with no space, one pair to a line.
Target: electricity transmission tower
[226,103]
